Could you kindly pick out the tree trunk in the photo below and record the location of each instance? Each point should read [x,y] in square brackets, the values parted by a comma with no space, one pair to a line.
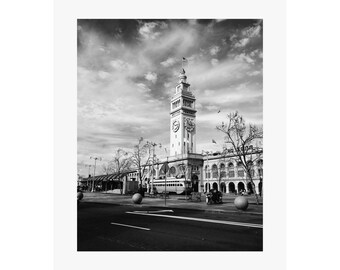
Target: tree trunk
[253,185]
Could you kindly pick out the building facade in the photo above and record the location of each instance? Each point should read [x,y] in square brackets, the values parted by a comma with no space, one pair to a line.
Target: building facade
[210,170]
[221,171]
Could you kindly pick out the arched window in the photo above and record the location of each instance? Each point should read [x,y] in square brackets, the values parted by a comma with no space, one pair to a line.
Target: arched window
[172,171]
[222,168]
[231,172]
[207,171]
[214,171]
[240,171]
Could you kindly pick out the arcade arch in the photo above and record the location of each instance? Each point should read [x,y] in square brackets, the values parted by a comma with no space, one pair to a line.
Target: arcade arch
[223,187]
[215,186]
[240,186]
[231,187]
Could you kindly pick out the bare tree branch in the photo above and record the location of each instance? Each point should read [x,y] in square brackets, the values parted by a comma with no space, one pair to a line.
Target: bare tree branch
[241,138]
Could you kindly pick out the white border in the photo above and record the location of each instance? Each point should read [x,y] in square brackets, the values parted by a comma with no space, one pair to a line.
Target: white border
[66,14]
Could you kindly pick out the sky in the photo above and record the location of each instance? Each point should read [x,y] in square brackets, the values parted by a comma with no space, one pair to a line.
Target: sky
[128,71]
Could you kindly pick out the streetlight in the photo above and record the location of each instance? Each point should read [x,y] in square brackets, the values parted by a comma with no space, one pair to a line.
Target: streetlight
[166,165]
[152,144]
[94,170]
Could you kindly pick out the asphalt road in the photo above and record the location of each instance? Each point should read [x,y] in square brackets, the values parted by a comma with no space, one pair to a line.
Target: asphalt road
[106,227]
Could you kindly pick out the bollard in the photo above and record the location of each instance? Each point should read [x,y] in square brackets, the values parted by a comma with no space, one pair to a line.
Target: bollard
[80,195]
[241,203]
[137,198]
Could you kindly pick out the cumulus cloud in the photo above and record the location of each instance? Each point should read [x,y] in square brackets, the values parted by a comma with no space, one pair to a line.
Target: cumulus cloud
[150,30]
[214,50]
[244,57]
[253,31]
[214,61]
[242,43]
[168,62]
[254,73]
[103,74]
[142,88]
[119,64]
[151,76]
[211,107]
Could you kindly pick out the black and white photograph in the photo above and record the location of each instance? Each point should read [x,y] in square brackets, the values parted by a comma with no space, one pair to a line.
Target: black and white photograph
[170,134]
[161,114]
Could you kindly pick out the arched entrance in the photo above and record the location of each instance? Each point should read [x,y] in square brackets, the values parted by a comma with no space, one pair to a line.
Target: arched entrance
[207,187]
[223,187]
[231,187]
[250,188]
[240,186]
[194,179]
[215,186]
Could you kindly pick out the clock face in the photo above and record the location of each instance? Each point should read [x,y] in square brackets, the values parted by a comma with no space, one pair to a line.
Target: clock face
[175,125]
[189,124]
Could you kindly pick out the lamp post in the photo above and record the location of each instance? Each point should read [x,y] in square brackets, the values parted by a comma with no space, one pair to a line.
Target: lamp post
[166,165]
[88,178]
[152,144]
[94,170]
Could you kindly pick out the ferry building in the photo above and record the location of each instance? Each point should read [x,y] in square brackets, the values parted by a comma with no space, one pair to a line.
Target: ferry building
[221,171]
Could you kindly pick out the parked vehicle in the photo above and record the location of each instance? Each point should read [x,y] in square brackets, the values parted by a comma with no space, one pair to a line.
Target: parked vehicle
[173,185]
[214,196]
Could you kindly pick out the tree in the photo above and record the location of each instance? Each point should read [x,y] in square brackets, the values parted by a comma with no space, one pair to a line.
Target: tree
[241,138]
[120,162]
[140,157]
[107,168]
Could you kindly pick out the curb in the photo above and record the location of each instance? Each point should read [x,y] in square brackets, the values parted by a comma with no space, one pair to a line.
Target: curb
[177,207]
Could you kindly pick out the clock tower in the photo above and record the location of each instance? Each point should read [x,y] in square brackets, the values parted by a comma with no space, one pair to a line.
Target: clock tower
[182,119]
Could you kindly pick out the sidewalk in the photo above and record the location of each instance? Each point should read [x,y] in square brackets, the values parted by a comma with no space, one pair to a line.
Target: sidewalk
[175,201]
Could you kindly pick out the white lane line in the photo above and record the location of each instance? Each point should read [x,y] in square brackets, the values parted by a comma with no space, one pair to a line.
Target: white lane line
[130,226]
[260,226]
[156,211]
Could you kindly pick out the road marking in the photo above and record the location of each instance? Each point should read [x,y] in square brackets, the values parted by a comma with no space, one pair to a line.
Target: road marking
[156,211]
[260,226]
[130,226]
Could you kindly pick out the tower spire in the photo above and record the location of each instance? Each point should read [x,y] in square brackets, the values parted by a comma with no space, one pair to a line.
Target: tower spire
[182,77]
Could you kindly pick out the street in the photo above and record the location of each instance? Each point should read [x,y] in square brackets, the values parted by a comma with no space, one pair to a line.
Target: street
[110,227]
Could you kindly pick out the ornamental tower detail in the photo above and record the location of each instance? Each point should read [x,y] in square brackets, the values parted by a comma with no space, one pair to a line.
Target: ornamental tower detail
[182,119]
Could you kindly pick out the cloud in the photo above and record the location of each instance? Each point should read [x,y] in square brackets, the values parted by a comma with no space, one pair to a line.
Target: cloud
[103,74]
[242,43]
[244,57]
[142,88]
[149,30]
[214,61]
[209,92]
[211,107]
[253,31]
[254,73]
[119,65]
[168,62]
[214,50]
[151,76]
